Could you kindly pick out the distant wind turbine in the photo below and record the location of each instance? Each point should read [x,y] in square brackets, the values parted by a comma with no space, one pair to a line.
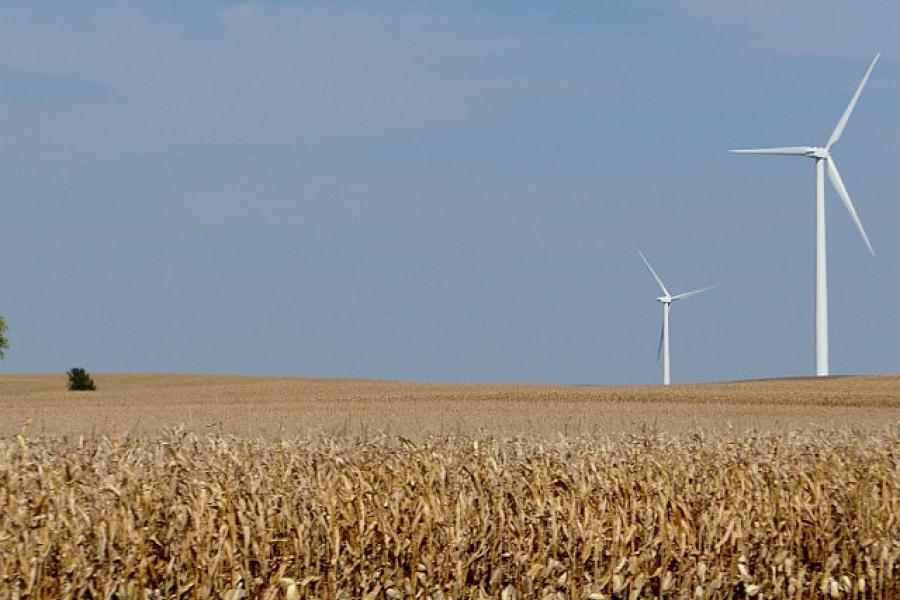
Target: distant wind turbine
[824,161]
[667,299]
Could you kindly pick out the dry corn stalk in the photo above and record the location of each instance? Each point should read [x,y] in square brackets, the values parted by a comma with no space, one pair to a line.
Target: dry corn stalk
[695,516]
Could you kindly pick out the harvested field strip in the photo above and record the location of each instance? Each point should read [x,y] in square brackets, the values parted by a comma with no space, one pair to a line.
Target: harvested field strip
[148,404]
[694,516]
[871,390]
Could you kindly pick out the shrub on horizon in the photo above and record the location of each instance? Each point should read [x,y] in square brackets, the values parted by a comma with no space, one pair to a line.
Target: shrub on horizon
[80,380]
[4,343]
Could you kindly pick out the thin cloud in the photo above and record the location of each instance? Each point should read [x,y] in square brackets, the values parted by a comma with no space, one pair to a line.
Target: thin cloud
[825,28]
[268,76]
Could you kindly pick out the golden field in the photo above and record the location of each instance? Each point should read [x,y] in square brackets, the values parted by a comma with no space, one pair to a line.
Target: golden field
[211,487]
[147,404]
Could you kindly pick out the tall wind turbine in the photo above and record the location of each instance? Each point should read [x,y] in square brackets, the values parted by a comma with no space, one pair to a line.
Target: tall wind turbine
[824,161]
[666,300]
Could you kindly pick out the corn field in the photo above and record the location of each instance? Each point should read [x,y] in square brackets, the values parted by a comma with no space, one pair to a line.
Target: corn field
[794,515]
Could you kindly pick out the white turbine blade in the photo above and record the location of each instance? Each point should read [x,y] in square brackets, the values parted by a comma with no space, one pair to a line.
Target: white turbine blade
[694,293]
[662,331]
[786,151]
[662,286]
[838,184]
[839,129]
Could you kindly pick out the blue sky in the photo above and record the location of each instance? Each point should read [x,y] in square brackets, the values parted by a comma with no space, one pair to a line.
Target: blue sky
[442,191]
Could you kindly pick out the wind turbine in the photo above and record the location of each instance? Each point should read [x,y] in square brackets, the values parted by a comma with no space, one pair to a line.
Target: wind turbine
[667,299]
[824,160]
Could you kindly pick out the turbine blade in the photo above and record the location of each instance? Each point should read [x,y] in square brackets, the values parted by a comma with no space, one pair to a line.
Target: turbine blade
[838,184]
[662,286]
[694,293]
[786,151]
[662,329]
[839,129]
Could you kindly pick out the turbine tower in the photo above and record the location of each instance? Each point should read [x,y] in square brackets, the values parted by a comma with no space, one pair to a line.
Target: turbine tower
[666,300]
[824,161]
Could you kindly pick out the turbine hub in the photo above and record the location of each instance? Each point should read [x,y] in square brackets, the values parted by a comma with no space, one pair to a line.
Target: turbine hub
[818,153]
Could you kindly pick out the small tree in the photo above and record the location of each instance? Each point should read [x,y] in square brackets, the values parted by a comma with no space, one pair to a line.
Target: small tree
[80,380]
[4,343]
